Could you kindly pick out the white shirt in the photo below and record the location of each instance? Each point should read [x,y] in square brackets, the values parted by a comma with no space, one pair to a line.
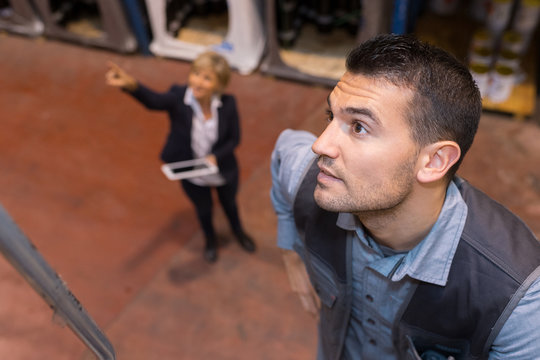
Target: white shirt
[204,134]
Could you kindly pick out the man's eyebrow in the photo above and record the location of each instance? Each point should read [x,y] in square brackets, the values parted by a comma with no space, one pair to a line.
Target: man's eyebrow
[357,111]
[362,111]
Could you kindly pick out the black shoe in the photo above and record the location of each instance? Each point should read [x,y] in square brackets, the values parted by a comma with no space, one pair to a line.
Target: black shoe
[210,254]
[246,242]
[210,250]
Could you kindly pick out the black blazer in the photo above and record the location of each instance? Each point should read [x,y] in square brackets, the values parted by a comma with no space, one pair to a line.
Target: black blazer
[178,144]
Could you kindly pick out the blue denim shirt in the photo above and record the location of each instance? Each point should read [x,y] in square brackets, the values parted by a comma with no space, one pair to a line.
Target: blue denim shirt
[387,276]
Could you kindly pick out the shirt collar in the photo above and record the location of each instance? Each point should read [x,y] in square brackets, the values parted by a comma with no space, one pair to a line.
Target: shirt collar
[430,260]
[190,100]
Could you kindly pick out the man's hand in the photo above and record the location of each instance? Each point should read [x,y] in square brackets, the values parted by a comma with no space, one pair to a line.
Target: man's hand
[300,283]
[117,77]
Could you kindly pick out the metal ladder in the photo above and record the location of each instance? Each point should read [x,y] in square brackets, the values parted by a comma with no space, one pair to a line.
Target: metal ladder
[25,258]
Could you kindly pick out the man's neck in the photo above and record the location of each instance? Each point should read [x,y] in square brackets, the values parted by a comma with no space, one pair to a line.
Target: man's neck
[403,227]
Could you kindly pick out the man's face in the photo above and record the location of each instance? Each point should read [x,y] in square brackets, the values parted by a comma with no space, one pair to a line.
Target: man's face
[366,154]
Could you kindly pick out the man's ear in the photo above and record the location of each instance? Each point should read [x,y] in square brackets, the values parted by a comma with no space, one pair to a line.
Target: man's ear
[436,159]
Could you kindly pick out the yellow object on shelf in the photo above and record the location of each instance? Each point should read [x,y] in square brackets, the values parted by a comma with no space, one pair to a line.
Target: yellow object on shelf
[520,103]
[522,99]
[463,37]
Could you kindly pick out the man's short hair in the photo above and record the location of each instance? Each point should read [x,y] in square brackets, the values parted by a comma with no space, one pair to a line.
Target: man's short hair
[446,104]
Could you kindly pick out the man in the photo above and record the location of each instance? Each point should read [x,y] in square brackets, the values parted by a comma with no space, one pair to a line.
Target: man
[407,260]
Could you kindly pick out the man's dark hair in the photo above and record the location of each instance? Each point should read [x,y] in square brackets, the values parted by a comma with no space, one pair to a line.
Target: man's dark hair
[446,104]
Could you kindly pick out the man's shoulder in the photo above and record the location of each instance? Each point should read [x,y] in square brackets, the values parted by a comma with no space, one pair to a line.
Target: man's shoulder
[291,158]
[292,150]
[483,207]
[294,139]
[496,231]
[487,211]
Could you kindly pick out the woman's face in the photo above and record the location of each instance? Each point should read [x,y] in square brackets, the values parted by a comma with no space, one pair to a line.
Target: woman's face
[204,83]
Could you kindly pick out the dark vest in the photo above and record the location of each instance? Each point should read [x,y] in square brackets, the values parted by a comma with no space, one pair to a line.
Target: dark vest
[496,261]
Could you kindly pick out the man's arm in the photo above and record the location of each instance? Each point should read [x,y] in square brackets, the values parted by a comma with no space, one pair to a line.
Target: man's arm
[519,338]
[291,156]
[300,284]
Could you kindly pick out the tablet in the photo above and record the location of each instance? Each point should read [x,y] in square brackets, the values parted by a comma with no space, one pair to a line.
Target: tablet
[188,169]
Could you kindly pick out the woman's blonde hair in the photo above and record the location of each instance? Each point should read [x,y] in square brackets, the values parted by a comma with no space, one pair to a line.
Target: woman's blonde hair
[215,62]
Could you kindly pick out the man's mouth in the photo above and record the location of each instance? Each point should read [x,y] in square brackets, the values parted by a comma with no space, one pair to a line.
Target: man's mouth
[326,174]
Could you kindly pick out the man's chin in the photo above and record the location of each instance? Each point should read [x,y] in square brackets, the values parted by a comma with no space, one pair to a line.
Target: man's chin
[323,198]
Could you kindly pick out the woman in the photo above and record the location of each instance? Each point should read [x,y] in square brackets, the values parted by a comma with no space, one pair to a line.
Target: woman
[203,124]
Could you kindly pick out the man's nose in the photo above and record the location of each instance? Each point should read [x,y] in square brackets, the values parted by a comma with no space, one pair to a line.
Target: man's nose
[326,143]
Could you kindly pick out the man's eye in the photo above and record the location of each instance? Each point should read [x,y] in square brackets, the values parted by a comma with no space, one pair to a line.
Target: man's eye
[329,115]
[358,128]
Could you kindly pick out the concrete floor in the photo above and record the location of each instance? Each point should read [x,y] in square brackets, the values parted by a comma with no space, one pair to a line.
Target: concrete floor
[80,176]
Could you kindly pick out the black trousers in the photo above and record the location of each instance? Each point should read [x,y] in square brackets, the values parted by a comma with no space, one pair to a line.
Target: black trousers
[201,197]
